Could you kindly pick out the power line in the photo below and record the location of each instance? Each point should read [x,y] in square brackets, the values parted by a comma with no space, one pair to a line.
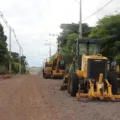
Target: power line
[12,30]
[5,21]
[98,10]
[77,1]
[51,43]
[93,13]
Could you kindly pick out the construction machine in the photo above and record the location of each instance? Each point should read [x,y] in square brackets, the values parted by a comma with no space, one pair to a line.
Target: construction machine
[58,69]
[55,68]
[90,78]
[47,69]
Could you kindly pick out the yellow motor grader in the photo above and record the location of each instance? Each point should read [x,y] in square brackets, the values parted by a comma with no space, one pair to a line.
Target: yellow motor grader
[58,69]
[54,69]
[47,69]
[91,78]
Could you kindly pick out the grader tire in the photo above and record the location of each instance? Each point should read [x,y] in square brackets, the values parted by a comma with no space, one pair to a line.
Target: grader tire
[112,78]
[51,76]
[44,75]
[74,84]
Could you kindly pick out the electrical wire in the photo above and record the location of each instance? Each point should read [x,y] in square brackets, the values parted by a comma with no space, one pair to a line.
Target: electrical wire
[77,1]
[5,21]
[98,10]
[94,12]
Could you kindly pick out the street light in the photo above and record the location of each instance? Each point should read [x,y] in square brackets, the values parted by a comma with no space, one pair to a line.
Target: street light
[51,43]
[49,49]
[57,40]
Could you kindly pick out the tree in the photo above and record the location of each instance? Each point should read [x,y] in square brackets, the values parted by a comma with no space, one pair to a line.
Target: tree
[23,63]
[15,56]
[16,64]
[3,46]
[67,38]
[4,56]
[70,29]
[108,30]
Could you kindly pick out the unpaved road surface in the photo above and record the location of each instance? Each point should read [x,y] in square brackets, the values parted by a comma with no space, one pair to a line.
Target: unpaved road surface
[34,98]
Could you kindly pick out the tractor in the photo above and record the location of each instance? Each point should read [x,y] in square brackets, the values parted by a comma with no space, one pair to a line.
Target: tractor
[90,77]
[47,69]
[55,68]
[58,69]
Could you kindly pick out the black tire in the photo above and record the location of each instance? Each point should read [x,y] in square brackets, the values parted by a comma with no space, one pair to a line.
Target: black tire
[74,84]
[51,76]
[43,73]
[86,87]
[45,76]
[112,78]
[68,82]
[65,80]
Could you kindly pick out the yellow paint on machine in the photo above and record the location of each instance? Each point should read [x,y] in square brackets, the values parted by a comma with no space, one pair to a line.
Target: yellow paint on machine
[58,72]
[99,92]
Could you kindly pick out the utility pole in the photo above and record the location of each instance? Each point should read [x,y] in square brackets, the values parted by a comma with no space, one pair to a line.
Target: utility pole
[22,51]
[80,22]
[20,60]
[57,41]
[50,50]
[9,50]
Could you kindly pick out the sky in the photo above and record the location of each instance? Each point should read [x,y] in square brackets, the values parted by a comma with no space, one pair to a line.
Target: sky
[33,20]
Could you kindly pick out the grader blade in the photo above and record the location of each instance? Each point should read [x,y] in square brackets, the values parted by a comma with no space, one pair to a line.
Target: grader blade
[100,92]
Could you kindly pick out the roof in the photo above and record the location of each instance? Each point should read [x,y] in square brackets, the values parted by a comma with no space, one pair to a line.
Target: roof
[88,40]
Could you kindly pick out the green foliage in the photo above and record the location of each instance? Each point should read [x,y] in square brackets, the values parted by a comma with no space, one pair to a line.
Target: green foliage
[3,46]
[3,69]
[15,67]
[15,57]
[108,30]
[67,39]
[4,56]
[52,58]
[15,63]
[117,58]
[23,63]
[70,29]
[71,41]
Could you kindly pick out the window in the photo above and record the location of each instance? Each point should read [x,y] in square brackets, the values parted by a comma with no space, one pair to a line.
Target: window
[82,49]
[94,49]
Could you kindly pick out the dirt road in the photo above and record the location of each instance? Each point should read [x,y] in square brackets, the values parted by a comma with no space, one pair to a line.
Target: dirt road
[34,98]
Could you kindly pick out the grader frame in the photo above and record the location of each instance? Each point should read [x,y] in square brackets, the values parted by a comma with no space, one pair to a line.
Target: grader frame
[99,92]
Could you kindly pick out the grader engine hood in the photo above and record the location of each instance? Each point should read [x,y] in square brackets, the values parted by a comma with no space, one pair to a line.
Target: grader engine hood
[93,65]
